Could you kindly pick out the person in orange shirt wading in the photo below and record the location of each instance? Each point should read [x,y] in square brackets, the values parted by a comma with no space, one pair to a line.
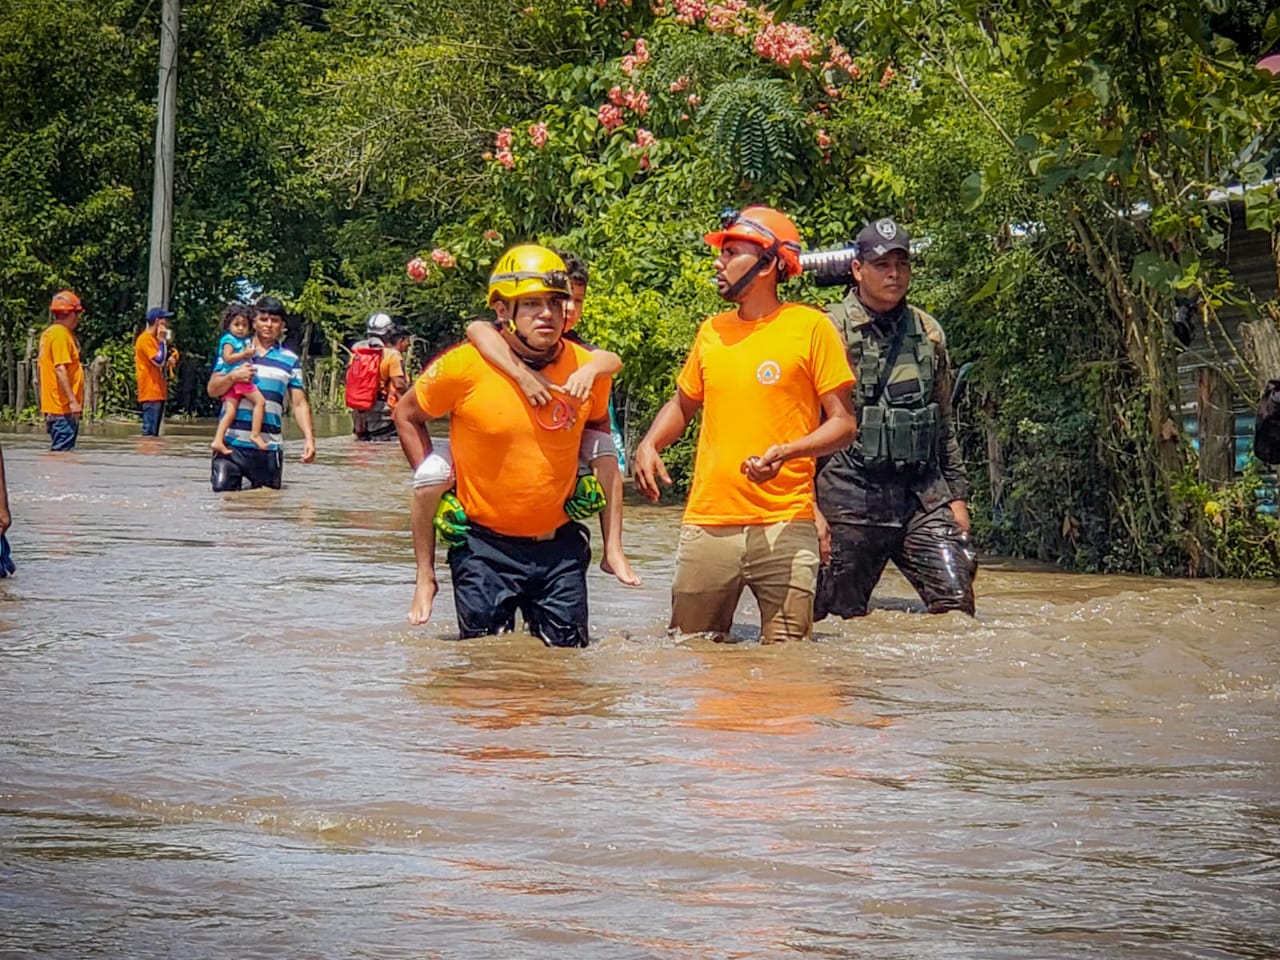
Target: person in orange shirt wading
[153,358]
[516,465]
[763,374]
[61,375]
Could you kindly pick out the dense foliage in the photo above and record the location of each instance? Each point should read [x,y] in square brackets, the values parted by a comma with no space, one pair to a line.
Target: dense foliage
[1064,159]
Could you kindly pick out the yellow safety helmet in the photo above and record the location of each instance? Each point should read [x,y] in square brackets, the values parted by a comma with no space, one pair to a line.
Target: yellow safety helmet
[527,268]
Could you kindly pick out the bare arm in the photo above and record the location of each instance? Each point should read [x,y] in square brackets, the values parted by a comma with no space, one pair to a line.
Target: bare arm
[603,363]
[64,384]
[220,383]
[302,413]
[837,431]
[6,518]
[667,427]
[411,427]
[495,349]
[230,356]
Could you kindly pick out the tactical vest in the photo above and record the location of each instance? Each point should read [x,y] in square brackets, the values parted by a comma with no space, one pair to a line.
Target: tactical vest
[898,422]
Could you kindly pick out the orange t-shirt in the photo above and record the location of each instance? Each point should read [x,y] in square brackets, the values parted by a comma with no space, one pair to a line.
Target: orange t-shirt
[392,366]
[152,380]
[58,346]
[516,465]
[759,383]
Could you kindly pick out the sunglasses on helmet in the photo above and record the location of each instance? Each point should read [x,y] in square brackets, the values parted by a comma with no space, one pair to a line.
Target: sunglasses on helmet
[556,279]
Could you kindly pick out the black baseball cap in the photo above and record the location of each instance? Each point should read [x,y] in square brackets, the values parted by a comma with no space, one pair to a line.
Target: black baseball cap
[879,237]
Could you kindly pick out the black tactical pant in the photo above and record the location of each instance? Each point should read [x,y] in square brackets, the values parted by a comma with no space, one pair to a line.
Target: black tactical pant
[932,552]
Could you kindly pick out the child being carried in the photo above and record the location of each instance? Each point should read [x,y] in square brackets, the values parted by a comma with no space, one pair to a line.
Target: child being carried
[234,349]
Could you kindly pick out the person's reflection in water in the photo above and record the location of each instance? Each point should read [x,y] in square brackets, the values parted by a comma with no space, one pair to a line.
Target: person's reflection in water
[768,691]
[501,688]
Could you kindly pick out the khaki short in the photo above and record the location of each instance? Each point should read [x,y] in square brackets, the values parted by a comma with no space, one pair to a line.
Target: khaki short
[777,561]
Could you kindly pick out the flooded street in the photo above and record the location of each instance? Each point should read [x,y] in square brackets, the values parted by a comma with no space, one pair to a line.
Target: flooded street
[220,738]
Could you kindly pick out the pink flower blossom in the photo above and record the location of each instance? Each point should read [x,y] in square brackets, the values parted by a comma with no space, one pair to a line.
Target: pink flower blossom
[417,269]
[506,158]
[694,100]
[610,117]
[503,140]
[538,134]
[644,138]
[679,84]
[637,100]
[887,77]
[824,140]
[689,12]
[723,17]
[492,235]
[785,43]
[644,163]
[642,51]
[443,258]
[616,97]
[629,64]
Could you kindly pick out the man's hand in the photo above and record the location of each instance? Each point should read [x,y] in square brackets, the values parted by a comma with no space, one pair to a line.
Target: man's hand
[647,469]
[536,387]
[74,408]
[824,537]
[241,373]
[6,520]
[308,449]
[765,467]
[960,510]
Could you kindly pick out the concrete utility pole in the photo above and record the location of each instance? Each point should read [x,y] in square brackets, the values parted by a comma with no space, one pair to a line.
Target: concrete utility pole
[159,271]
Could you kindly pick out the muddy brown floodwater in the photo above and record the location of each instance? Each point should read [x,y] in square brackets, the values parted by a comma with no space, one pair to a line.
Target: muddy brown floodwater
[220,738]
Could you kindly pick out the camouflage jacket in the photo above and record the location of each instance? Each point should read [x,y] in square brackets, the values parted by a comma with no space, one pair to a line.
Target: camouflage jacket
[850,493]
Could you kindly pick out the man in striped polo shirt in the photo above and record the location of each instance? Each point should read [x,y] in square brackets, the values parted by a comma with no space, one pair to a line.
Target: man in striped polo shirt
[275,371]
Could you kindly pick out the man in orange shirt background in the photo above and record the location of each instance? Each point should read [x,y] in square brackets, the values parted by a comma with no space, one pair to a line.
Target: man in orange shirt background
[765,375]
[153,358]
[61,374]
[516,465]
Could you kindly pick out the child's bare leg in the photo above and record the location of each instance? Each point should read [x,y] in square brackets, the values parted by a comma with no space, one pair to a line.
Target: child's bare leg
[259,411]
[615,558]
[224,424]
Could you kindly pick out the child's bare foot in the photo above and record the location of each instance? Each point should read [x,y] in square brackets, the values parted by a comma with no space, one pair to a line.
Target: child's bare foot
[220,446]
[259,442]
[620,567]
[424,595]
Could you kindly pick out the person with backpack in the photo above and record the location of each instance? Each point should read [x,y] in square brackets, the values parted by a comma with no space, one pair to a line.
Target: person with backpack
[900,492]
[375,378]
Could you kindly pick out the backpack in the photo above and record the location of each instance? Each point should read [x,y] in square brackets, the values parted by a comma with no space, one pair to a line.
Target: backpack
[362,377]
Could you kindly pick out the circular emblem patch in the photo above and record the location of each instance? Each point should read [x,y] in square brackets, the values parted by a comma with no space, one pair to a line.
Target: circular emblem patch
[768,372]
[886,228]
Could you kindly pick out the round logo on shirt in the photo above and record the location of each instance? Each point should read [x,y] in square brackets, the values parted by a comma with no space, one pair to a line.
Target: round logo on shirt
[769,372]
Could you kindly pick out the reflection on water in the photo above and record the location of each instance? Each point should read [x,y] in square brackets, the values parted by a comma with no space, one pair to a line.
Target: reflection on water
[218,737]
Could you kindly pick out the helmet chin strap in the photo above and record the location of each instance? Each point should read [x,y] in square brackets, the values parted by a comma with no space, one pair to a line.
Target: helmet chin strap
[746,279]
[540,360]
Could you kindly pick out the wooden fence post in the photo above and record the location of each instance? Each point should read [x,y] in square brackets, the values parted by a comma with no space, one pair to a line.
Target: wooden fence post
[1217,449]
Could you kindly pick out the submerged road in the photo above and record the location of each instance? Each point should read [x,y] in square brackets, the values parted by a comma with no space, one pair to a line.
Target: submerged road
[220,738]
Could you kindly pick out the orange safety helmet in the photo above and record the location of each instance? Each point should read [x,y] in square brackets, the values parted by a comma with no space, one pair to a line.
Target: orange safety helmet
[765,227]
[64,301]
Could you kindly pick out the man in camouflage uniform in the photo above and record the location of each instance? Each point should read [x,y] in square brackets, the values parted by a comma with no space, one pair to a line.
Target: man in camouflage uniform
[899,492]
